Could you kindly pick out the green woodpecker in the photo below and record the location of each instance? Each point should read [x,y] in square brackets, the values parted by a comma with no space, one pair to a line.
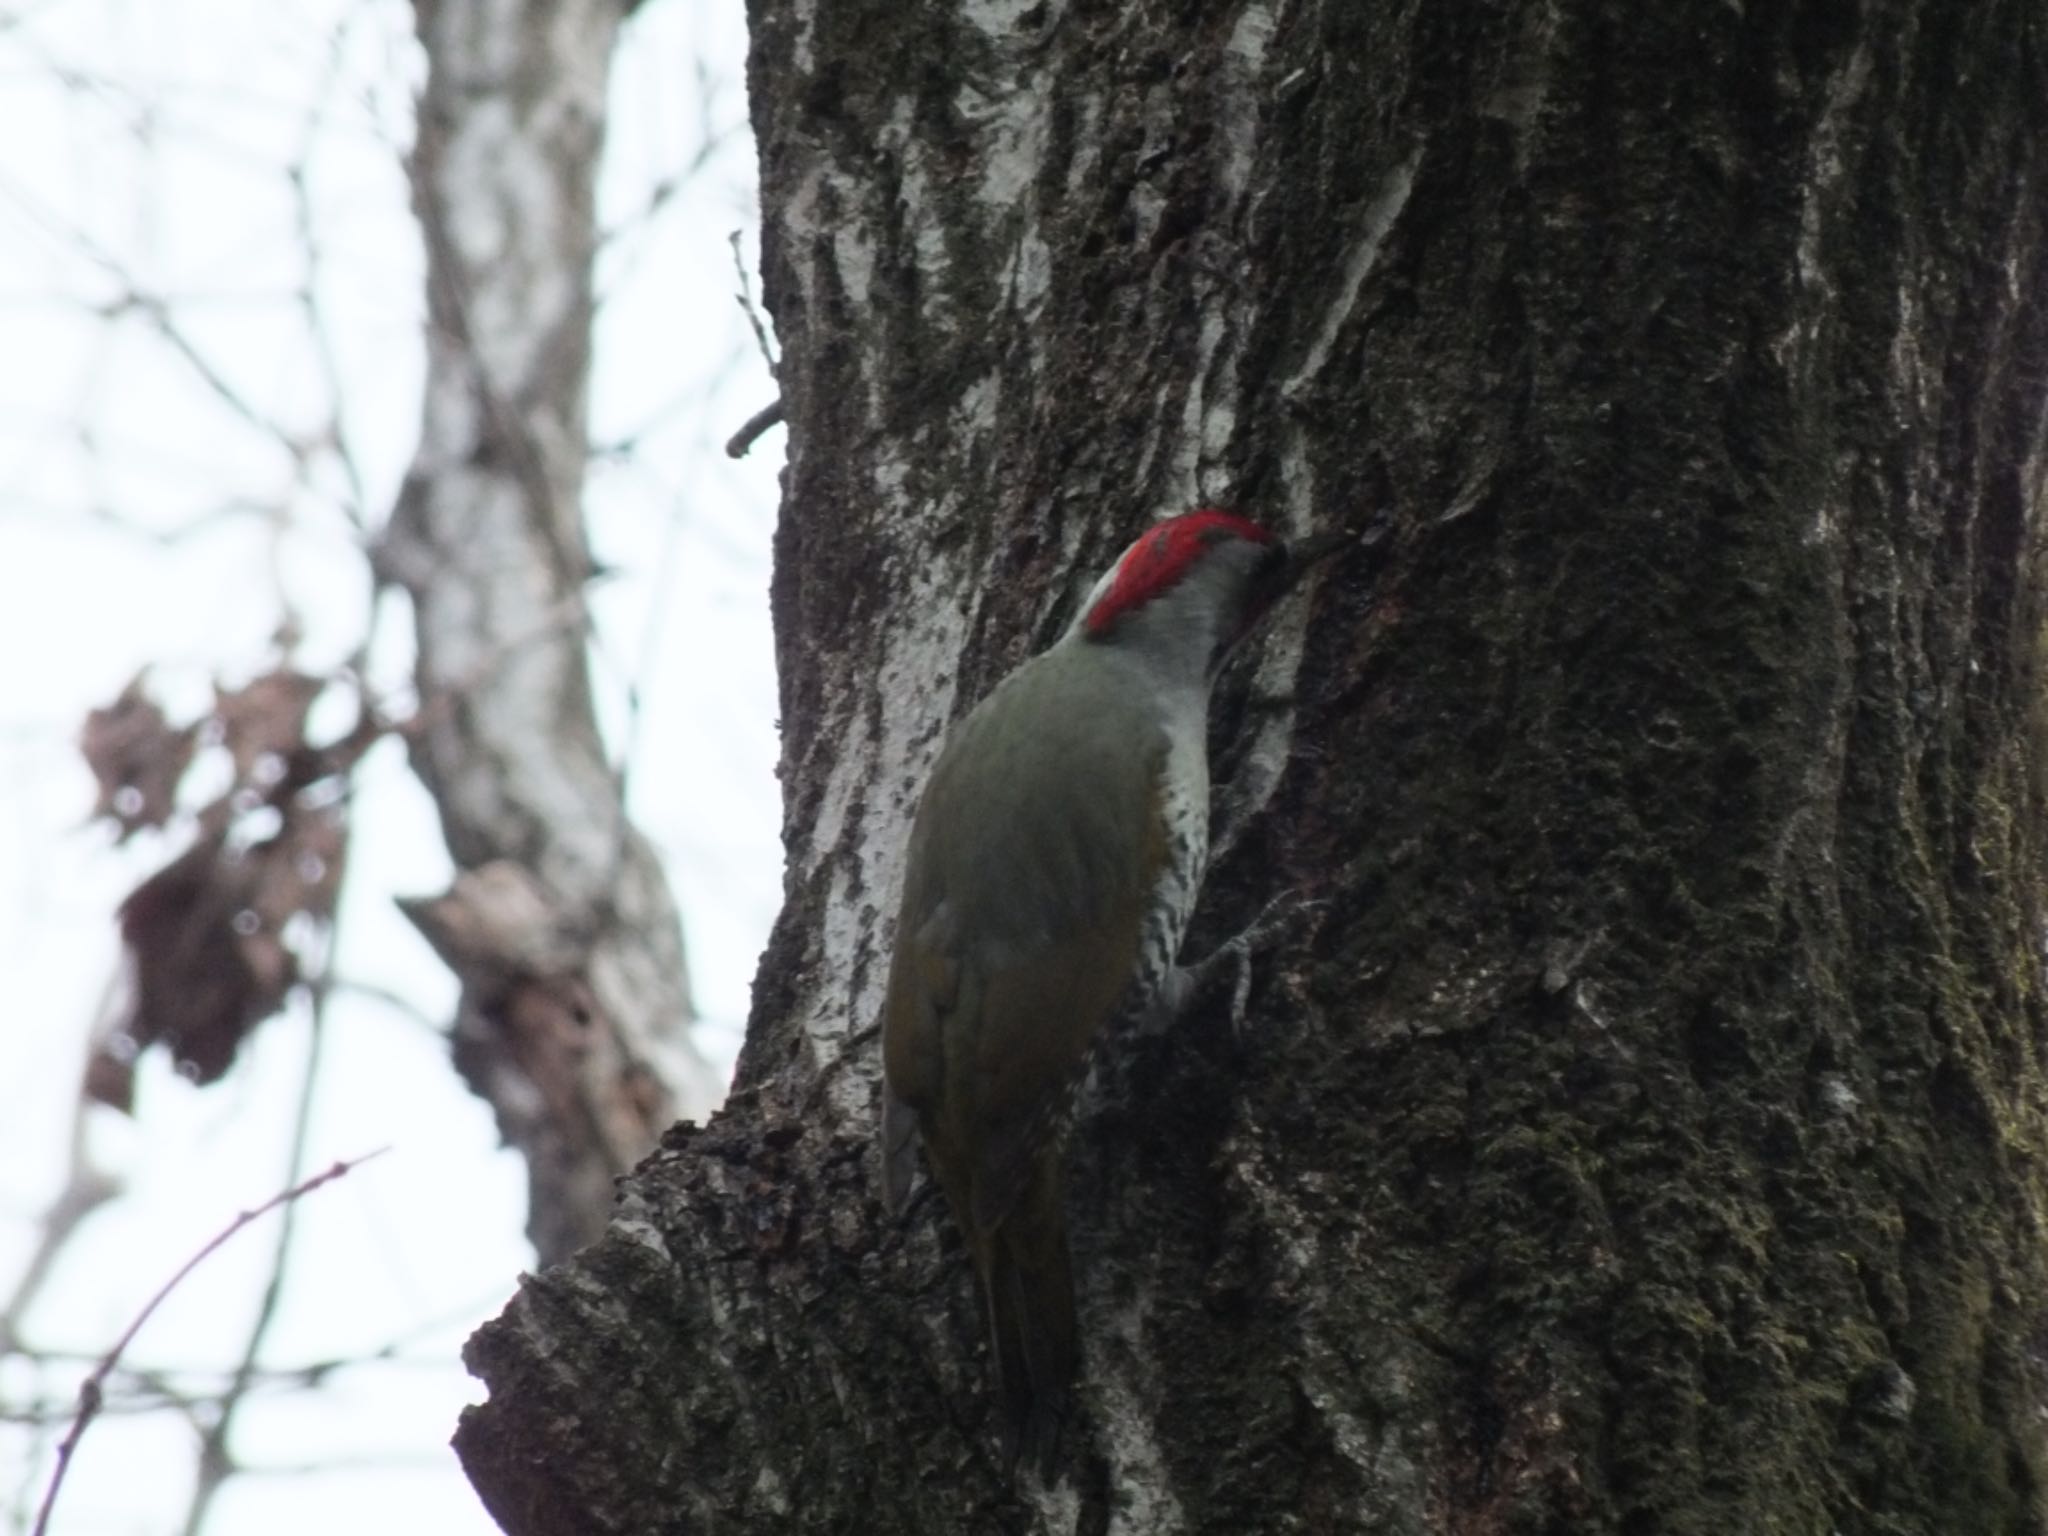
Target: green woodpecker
[1053,864]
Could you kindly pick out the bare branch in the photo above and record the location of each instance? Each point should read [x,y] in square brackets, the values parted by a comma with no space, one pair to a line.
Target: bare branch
[86,1188]
[215,1461]
[750,432]
[91,1392]
[749,308]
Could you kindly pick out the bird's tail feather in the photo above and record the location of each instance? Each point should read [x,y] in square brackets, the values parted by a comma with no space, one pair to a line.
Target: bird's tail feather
[899,1149]
[1030,1288]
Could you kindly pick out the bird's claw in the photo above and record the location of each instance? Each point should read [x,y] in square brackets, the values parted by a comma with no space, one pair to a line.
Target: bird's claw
[1232,961]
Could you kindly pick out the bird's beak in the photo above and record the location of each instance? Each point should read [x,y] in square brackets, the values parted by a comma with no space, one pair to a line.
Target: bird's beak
[1298,559]
[1317,548]
[1285,567]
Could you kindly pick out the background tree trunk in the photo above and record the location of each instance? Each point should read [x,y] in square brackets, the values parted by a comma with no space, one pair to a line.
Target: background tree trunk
[575,1004]
[1645,1133]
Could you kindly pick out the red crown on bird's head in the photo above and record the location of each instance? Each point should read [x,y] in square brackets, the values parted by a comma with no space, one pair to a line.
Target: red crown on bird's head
[1161,557]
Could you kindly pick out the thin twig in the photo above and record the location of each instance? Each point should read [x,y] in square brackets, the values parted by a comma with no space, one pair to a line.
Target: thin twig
[91,1390]
[319,333]
[215,1464]
[86,1188]
[746,298]
[666,188]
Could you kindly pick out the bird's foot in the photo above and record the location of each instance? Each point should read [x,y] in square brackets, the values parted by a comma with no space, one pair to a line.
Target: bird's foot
[1227,969]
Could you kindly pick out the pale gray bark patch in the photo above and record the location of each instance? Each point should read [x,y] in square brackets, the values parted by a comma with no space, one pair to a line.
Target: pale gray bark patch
[1388,199]
[587,1057]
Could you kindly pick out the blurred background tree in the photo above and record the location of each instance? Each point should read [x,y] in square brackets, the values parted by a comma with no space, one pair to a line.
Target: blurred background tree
[363,518]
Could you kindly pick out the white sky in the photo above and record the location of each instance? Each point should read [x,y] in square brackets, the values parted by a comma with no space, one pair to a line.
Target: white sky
[155,135]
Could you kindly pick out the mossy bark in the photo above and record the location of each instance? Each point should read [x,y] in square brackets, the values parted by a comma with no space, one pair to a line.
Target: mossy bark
[1642,1129]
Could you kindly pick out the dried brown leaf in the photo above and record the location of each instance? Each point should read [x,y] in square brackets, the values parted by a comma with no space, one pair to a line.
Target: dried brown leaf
[299,870]
[110,1073]
[210,935]
[195,988]
[138,757]
[265,718]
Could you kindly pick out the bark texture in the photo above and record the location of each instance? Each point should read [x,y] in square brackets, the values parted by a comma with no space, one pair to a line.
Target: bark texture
[575,1004]
[1645,1133]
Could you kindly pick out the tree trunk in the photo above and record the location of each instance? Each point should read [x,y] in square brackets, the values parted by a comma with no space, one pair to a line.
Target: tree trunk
[575,1011]
[1644,1133]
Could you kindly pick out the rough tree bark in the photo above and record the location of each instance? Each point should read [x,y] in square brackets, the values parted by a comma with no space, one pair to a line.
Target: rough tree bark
[1645,1133]
[575,1006]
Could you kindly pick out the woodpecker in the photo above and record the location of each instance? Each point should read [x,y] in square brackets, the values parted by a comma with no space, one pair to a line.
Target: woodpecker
[1053,864]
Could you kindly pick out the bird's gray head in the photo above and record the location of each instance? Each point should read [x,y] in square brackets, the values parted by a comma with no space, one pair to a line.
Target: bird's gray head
[1186,591]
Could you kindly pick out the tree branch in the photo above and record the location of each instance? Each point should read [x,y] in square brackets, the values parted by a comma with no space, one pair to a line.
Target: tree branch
[91,1392]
